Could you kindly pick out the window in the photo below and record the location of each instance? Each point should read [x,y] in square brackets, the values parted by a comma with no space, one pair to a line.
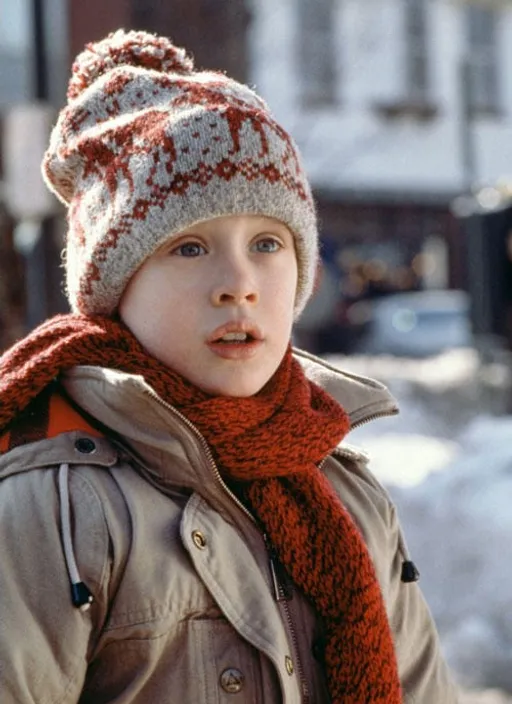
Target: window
[416,55]
[18,55]
[316,52]
[15,67]
[483,72]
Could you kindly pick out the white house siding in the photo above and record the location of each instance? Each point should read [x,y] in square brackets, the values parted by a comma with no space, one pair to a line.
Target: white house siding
[350,144]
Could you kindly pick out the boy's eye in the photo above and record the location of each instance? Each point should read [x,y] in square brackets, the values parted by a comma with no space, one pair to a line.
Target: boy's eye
[189,249]
[268,244]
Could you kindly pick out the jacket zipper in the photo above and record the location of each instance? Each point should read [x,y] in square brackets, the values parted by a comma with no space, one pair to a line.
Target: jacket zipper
[281,589]
[300,671]
[281,592]
[209,455]
[374,416]
[206,449]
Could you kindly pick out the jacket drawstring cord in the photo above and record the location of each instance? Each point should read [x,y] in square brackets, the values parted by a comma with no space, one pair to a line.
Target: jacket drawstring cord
[80,593]
[410,572]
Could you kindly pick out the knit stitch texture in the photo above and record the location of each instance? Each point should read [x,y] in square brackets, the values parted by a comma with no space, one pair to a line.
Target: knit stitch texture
[147,147]
[269,446]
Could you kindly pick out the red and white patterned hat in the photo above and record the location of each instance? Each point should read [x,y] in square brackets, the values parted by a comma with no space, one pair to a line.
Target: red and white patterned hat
[147,146]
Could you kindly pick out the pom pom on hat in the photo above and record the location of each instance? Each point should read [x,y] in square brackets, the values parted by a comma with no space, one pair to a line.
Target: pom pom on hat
[147,146]
[126,49]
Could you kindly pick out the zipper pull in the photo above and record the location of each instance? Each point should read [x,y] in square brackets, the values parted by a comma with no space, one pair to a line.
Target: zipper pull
[275,580]
[280,580]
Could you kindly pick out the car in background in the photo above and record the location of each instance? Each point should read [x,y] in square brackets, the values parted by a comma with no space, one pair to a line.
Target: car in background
[416,324]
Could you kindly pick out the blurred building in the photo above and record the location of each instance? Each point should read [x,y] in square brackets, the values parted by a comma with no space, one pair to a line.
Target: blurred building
[33,67]
[486,219]
[14,86]
[215,33]
[398,106]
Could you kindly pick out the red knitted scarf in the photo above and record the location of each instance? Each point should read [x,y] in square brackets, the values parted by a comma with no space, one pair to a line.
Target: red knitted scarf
[269,446]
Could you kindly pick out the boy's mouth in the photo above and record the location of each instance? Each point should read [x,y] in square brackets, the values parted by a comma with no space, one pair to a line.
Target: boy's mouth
[235,337]
[236,340]
[236,332]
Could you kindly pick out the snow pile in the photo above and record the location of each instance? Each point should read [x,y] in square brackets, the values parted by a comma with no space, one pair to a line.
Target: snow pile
[489,696]
[458,524]
[447,462]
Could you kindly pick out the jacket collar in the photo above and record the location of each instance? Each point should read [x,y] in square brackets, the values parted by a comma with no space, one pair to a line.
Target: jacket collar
[168,448]
[155,431]
[362,398]
[112,396]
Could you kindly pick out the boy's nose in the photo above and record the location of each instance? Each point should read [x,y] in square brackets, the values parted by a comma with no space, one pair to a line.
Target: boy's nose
[235,289]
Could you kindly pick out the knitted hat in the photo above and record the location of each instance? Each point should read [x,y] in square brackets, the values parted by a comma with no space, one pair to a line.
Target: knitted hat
[147,147]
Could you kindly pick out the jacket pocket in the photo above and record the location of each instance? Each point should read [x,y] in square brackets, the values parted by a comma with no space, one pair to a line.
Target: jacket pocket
[196,661]
[229,670]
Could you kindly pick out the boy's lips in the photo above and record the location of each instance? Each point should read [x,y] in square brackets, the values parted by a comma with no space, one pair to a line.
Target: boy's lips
[252,331]
[232,348]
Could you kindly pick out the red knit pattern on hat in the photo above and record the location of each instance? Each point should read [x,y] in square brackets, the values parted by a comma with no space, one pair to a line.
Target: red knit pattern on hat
[270,446]
[146,146]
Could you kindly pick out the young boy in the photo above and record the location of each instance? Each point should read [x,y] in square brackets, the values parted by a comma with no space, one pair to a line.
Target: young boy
[181,521]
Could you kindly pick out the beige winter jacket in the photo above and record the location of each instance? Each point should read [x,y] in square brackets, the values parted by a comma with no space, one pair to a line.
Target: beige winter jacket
[184,606]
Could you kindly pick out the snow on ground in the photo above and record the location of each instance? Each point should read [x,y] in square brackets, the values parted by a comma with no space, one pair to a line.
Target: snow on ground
[489,696]
[447,461]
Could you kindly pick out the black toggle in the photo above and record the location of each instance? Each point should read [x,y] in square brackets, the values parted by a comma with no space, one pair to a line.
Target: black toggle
[81,596]
[410,572]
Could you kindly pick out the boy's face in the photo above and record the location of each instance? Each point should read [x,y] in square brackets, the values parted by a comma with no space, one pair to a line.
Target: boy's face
[216,303]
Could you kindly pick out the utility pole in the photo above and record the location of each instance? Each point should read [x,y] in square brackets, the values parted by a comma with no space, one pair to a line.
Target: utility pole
[467,139]
[479,275]
[40,63]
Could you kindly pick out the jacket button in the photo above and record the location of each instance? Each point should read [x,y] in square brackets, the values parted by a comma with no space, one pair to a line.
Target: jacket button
[289,665]
[232,680]
[199,540]
[85,445]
